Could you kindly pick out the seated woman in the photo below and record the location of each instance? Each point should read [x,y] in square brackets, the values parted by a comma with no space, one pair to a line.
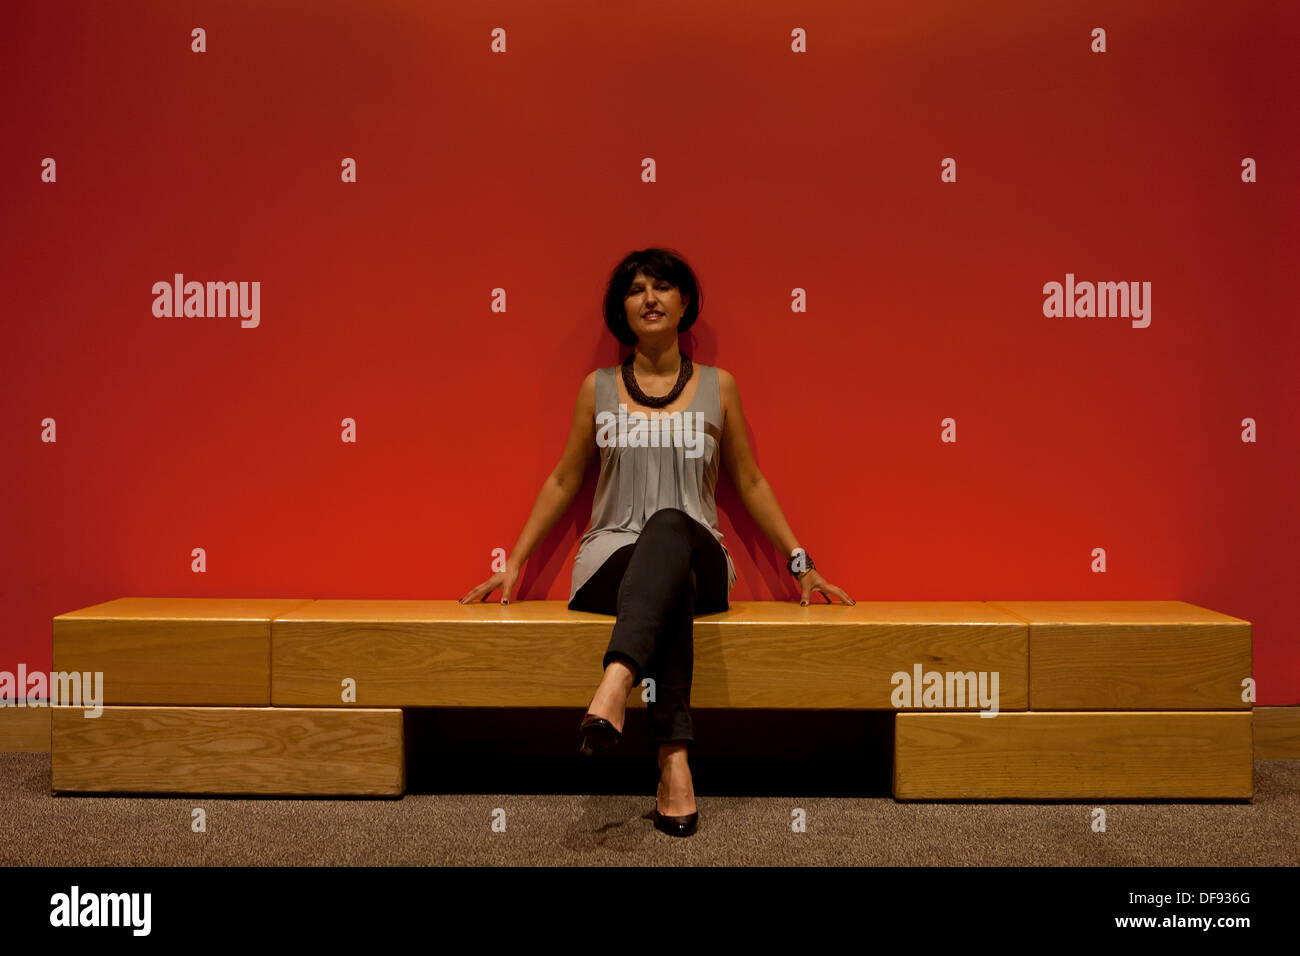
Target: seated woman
[653,556]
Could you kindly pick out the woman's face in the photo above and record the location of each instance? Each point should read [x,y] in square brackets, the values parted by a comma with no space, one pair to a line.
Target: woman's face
[647,296]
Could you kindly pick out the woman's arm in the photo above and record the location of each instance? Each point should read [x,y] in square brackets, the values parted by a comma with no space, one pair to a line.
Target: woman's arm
[755,493]
[558,492]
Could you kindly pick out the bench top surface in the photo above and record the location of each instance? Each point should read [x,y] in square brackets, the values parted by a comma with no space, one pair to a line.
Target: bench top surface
[1136,613]
[740,612]
[186,609]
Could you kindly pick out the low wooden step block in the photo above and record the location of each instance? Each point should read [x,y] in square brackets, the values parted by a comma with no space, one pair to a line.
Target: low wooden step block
[1073,755]
[269,751]
[766,654]
[211,651]
[1133,655]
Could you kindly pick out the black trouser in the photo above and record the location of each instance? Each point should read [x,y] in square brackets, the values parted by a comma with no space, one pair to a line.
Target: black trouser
[675,569]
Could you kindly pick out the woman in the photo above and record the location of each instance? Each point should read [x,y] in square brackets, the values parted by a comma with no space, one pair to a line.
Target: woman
[653,555]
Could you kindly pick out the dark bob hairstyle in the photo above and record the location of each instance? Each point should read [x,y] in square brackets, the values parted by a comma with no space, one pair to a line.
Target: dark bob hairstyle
[658,264]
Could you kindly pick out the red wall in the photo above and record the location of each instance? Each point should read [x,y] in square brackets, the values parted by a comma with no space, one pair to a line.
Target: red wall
[776,170]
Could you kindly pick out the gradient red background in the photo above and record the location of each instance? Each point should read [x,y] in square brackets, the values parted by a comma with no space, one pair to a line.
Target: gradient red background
[776,170]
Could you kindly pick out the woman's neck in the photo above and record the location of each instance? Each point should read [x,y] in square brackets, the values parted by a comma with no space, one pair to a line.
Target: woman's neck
[651,358]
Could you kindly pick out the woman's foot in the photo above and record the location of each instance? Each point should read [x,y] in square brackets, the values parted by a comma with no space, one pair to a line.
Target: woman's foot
[610,701]
[676,789]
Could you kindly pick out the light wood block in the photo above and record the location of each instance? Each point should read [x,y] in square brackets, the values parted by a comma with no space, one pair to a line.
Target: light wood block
[25,729]
[765,654]
[1133,655]
[1072,755]
[1277,733]
[211,651]
[228,750]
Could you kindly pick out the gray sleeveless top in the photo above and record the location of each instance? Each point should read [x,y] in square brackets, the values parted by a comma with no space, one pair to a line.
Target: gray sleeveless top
[647,465]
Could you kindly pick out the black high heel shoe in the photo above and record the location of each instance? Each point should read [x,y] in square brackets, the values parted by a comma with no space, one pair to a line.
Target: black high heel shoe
[597,736]
[677,826]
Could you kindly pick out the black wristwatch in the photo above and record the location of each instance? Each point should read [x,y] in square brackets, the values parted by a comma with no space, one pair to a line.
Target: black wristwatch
[805,560]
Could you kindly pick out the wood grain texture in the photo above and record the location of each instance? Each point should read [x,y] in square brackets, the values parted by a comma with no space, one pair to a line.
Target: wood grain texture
[25,730]
[1277,733]
[763,654]
[211,651]
[1071,755]
[228,750]
[1133,655]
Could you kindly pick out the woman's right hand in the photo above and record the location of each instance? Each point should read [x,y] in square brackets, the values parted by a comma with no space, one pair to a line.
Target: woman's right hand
[505,580]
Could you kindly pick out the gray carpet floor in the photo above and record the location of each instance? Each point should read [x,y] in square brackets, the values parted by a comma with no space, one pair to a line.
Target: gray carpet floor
[430,828]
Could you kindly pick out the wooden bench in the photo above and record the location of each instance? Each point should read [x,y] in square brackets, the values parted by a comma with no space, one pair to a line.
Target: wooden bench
[1094,699]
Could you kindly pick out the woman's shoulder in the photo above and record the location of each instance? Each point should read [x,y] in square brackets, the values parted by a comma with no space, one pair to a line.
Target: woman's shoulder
[726,380]
[587,391]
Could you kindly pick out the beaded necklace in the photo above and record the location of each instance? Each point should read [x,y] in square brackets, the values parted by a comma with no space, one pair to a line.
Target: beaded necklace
[633,389]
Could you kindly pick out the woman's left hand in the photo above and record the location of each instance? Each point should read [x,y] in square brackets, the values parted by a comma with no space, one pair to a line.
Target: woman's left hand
[811,581]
